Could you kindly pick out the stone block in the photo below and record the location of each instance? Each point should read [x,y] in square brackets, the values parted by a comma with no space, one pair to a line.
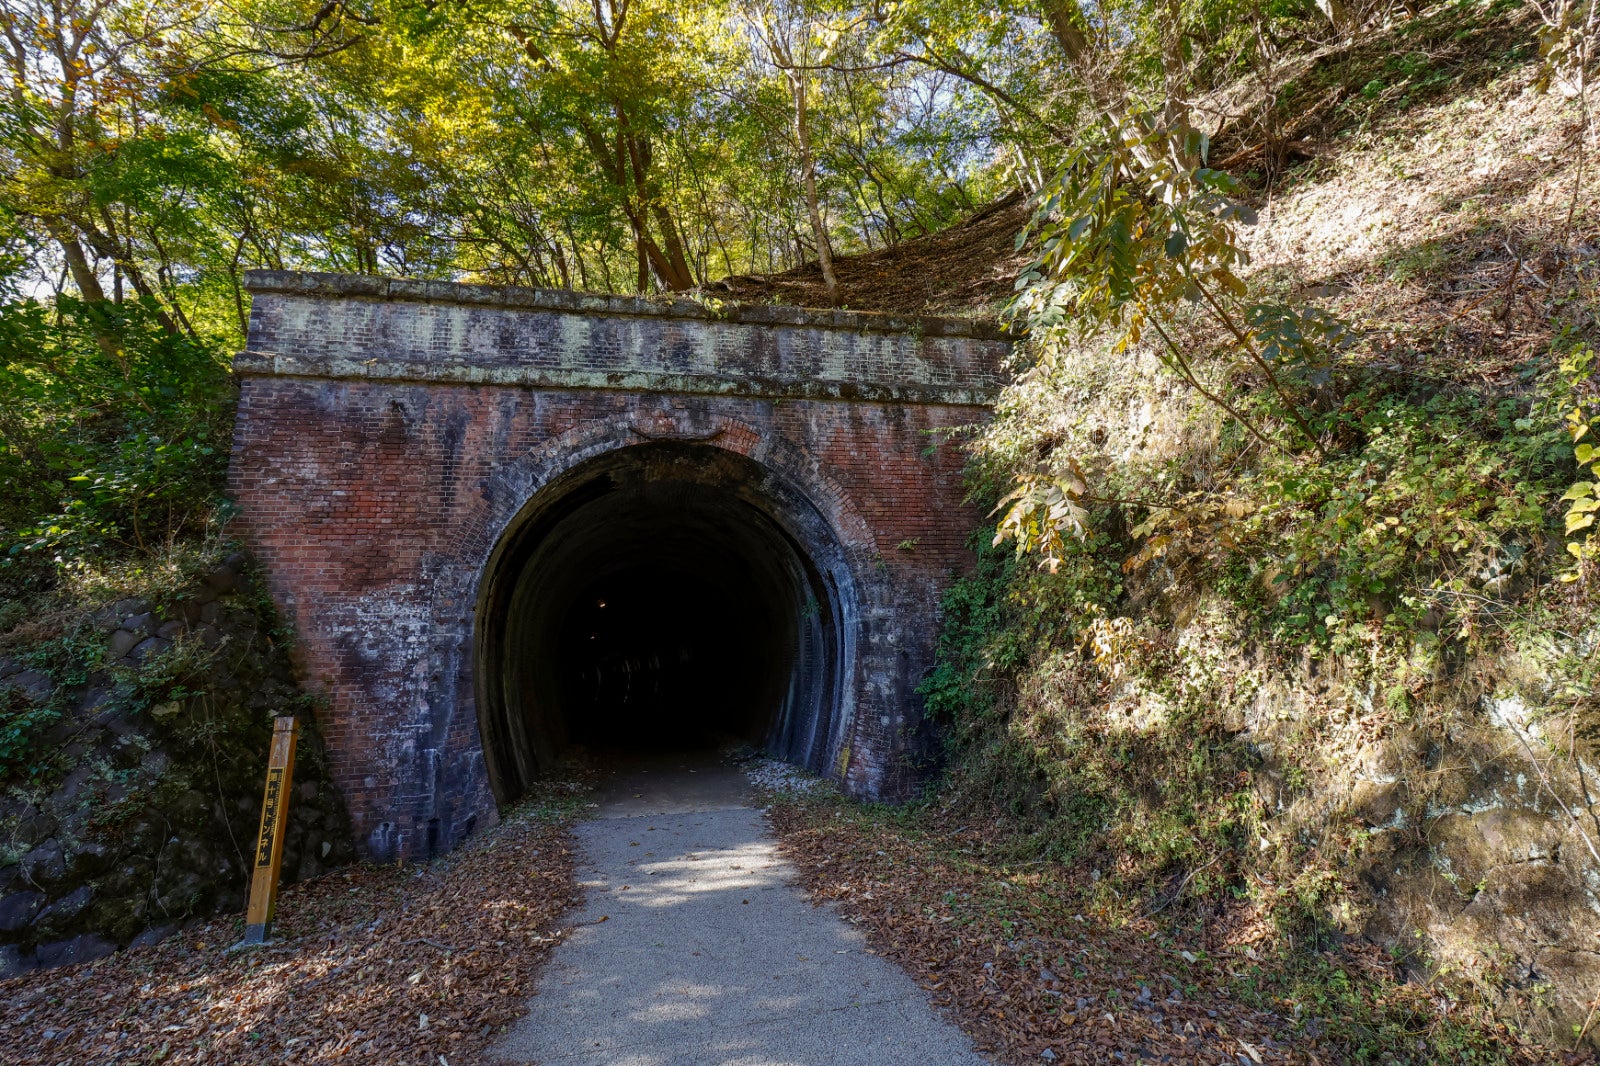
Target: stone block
[73,788]
[153,935]
[106,618]
[34,685]
[148,649]
[36,827]
[18,910]
[85,947]
[96,698]
[61,913]
[44,865]
[14,961]
[87,859]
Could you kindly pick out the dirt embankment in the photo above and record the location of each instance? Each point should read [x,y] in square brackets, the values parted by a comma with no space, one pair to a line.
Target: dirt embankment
[966,271]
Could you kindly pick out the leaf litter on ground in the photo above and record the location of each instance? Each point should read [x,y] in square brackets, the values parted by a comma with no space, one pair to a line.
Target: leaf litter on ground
[1023,959]
[368,964]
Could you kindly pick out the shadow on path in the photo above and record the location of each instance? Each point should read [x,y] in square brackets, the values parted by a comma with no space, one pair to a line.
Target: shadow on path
[695,947]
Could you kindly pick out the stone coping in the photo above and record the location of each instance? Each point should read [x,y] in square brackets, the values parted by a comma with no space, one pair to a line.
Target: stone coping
[267,364]
[357,286]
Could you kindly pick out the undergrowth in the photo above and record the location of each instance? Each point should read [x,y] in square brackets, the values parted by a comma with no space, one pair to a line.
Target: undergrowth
[1352,1006]
[1288,565]
[114,437]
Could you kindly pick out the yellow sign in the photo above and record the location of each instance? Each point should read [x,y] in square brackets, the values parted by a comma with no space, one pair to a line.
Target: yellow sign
[269,814]
[269,843]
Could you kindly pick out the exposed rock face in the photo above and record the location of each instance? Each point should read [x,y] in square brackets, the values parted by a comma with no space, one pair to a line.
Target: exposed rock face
[1500,877]
[1479,856]
[147,788]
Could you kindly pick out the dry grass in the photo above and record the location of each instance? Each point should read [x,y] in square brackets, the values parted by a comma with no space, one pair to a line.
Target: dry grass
[1457,231]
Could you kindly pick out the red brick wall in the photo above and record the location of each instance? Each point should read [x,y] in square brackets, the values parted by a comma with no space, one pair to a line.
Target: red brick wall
[375,505]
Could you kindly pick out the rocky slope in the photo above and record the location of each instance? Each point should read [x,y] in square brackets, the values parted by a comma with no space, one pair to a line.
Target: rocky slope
[136,733]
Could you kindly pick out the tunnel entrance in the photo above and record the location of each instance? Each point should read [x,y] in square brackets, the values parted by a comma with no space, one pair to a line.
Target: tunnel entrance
[663,596]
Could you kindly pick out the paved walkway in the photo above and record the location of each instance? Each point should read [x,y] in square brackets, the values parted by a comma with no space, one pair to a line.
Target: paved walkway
[695,948]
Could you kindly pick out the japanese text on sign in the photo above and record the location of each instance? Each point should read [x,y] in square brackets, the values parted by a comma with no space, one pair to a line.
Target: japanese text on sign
[269,816]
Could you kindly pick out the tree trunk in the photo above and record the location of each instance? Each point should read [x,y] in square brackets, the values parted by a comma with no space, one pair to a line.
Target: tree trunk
[1068,25]
[682,276]
[808,172]
[627,165]
[83,275]
[88,283]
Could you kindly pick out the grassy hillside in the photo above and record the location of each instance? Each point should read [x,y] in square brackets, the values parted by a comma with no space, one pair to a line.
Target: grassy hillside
[1333,683]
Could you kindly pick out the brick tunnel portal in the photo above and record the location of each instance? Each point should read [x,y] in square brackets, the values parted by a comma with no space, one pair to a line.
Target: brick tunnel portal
[444,482]
[667,595]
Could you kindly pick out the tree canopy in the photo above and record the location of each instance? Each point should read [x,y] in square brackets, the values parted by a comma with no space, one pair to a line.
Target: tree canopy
[154,151]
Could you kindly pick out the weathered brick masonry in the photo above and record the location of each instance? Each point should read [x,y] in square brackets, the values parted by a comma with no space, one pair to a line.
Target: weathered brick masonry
[391,435]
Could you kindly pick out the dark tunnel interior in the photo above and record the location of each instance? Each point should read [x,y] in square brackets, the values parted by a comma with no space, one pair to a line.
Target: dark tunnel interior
[651,599]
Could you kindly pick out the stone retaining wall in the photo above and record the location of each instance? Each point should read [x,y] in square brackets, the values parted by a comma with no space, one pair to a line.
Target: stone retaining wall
[147,791]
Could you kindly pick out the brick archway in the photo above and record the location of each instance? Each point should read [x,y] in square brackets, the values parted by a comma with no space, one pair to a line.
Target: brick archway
[809,507]
[391,434]
[513,484]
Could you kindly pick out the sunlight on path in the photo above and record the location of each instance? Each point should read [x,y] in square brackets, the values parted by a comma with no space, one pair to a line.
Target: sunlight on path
[694,947]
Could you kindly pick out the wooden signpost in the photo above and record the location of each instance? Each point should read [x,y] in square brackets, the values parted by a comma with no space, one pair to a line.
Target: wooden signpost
[269,843]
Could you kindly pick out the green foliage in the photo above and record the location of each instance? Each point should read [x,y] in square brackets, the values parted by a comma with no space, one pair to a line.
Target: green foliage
[1577,369]
[22,723]
[67,659]
[1273,539]
[1432,508]
[1138,237]
[974,642]
[1356,1005]
[1046,754]
[1569,46]
[113,434]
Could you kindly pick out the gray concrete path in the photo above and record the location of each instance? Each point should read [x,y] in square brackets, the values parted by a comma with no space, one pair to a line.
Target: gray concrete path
[695,948]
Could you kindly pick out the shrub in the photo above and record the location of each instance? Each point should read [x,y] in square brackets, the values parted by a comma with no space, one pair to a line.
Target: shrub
[113,435]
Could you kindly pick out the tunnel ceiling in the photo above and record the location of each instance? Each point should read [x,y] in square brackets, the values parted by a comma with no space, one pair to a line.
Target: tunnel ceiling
[663,596]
